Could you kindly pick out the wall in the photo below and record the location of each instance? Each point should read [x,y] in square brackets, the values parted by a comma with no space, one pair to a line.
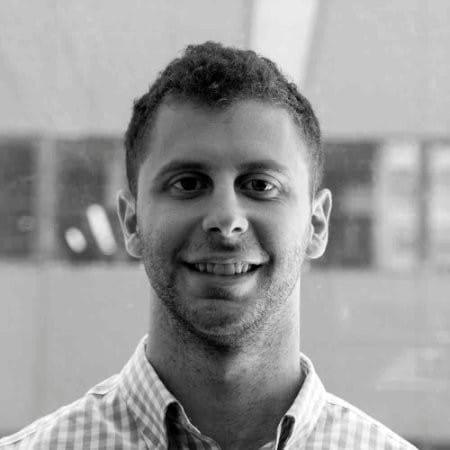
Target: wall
[381,68]
[70,68]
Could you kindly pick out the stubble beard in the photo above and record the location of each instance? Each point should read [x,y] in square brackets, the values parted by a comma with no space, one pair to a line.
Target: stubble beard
[274,289]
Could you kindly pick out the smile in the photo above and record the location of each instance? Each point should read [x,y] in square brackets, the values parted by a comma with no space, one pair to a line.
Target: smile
[223,269]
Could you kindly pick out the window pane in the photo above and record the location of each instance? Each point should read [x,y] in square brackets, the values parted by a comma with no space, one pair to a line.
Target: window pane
[88,228]
[349,175]
[17,187]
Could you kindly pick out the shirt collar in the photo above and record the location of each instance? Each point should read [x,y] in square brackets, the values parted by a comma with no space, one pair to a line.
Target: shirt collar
[309,403]
[302,416]
[146,396]
[148,399]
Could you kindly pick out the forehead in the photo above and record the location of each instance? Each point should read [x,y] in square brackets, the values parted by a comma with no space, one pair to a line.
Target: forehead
[244,131]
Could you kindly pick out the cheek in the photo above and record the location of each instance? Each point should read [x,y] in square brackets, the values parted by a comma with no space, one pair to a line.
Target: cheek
[277,233]
[164,232]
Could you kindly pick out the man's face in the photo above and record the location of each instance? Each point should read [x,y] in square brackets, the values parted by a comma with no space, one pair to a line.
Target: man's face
[224,216]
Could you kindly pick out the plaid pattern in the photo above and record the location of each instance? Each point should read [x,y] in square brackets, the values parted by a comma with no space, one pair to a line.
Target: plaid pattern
[134,410]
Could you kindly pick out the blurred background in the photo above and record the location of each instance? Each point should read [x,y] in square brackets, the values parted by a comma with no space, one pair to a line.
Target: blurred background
[375,309]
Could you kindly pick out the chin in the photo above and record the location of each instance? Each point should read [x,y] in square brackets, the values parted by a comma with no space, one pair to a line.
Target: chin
[224,330]
[225,339]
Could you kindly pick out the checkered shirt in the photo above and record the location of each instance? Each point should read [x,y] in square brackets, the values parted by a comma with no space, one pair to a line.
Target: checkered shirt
[134,410]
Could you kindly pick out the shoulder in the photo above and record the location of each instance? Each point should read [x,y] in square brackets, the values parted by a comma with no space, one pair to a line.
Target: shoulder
[346,426]
[81,421]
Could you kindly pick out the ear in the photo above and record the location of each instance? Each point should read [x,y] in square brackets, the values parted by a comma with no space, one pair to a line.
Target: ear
[320,217]
[126,210]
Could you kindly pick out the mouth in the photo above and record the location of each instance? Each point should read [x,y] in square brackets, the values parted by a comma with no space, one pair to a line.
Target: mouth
[230,269]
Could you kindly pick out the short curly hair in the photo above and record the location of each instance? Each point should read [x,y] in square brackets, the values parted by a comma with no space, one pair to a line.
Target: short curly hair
[216,76]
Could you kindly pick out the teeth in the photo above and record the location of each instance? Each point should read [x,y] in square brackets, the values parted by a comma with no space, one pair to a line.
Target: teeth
[223,269]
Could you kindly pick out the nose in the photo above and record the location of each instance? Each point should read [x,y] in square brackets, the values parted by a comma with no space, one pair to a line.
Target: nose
[225,216]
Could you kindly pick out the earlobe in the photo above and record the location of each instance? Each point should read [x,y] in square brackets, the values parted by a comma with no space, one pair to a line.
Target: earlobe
[126,210]
[320,216]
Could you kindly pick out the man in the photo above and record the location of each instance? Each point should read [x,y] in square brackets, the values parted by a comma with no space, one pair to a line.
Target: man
[224,204]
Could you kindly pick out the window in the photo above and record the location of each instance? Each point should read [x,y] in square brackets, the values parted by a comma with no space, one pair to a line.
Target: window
[439,207]
[391,204]
[349,175]
[88,178]
[17,194]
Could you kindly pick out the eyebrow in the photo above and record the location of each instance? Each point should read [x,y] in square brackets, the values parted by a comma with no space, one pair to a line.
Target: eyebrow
[179,165]
[264,164]
[189,165]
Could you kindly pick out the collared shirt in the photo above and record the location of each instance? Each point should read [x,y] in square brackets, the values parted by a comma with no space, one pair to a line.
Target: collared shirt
[134,410]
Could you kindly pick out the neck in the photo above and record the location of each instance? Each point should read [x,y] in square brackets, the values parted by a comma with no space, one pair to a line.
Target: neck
[230,394]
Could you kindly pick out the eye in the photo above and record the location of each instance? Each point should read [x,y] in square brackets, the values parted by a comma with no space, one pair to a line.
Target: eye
[188,184]
[260,187]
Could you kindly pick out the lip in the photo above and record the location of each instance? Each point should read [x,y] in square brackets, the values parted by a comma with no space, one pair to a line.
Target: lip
[213,259]
[218,261]
[189,267]
[222,280]
[229,269]
[222,269]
